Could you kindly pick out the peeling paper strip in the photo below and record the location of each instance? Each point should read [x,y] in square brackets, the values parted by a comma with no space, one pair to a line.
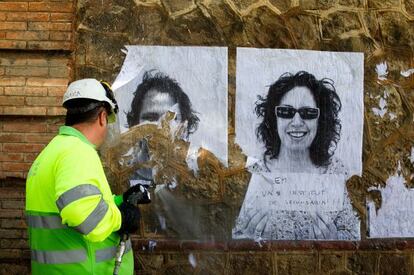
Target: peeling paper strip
[192,156]
[395,218]
[382,110]
[382,70]
[125,76]
[251,161]
[192,260]
[407,73]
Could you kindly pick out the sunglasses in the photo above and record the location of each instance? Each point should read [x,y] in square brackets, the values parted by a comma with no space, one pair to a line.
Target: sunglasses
[289,112]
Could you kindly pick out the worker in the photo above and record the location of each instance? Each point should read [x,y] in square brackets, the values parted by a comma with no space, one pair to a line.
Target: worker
[74,220]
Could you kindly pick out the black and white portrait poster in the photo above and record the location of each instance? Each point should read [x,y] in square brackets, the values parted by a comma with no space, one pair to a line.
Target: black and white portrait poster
[189,81]
[299,120]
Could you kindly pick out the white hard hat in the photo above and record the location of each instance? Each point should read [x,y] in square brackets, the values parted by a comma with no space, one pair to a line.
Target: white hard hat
[90,88]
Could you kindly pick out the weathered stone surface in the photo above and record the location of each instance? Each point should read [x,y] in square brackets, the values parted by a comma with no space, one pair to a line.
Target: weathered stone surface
[243,4]
[180,264]
[380,4]
[331,262]
[250,263]
[227,21]
[316,4]
[148,262]
[173,6]
[371,22]
[409,6]
[88,71]
[304,29]
[396,30]
[193,28]
[339,23]
[394,264]
[352,3]
[211,263]
[363,263]
[340,272]
[282,5]
[297,264]
[266,29]
[106,18]
[104,52]
[147,25]
[350,44]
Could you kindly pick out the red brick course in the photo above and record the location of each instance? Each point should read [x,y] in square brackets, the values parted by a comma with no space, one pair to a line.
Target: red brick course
[33,84]
[21,139]
[36,25]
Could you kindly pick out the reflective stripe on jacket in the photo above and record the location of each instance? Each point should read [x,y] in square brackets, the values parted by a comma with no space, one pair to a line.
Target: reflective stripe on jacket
[71,214]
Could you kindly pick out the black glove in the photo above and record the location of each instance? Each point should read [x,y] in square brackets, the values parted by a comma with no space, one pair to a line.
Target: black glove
[137,194]
[130,218]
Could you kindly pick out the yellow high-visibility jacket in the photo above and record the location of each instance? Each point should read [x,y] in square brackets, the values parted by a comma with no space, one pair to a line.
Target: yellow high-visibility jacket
[71,214]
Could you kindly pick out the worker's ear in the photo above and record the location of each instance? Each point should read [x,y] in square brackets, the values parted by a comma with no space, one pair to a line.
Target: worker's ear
[103,118]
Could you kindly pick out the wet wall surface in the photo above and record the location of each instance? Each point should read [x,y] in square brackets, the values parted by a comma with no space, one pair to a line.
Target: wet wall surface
[382,30]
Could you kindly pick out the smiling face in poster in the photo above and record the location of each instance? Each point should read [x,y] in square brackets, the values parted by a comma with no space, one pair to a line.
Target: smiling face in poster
[299,124]
[297,121]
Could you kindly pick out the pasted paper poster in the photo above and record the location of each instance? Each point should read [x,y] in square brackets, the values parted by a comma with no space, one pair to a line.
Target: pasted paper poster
[299,120]
[190,81]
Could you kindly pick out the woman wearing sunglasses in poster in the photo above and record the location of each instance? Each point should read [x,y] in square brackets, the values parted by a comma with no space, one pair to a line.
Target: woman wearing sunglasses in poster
[300,129]
[300,126]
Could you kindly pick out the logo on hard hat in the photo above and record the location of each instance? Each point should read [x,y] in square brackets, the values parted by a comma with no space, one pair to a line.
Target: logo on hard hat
[71,94]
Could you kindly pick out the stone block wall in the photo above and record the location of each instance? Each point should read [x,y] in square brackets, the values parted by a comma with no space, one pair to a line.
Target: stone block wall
[47,43]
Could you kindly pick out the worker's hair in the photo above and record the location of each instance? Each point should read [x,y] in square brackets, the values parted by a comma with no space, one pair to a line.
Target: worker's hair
[83,110]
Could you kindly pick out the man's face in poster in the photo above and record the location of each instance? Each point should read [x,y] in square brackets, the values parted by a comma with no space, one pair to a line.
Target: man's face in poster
[157,94]
[155,104]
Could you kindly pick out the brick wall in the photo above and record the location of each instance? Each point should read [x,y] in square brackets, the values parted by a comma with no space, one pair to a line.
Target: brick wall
[36,42]
[38,25]
[35,67]
[14,253]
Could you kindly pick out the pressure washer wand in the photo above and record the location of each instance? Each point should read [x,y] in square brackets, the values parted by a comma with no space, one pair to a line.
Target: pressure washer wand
[140,197]
[120,252]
